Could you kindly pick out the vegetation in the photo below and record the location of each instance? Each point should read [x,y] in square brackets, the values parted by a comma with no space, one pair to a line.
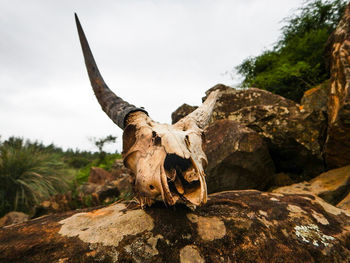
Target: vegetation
[106,163]
[297,62]
[31,172]
[101,143]
[28,175]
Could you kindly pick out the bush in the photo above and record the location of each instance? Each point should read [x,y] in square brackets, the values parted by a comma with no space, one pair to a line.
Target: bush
[29,174]
[297,62]
[78,162]
[106,163]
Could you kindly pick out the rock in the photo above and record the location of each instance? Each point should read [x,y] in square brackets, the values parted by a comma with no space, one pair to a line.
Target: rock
[281,179]
[99,176]
[294,137]
[220,87]
[125,179]
[109,191]
[57,203]
[237,226]
[181,112]
[86,195]
[316,99]
[345,203]
[99,192]
[87,188]
[13,218]
[337,148]
[119,170]
[332,186]
[238,158]
[232,100]
[125,185]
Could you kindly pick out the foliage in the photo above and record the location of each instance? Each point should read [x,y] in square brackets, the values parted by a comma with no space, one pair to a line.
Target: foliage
[29,174]
[106,163]
[103,159]
[297,62]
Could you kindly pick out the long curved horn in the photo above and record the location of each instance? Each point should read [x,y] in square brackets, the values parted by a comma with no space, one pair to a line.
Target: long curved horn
[116,108]
[203,113]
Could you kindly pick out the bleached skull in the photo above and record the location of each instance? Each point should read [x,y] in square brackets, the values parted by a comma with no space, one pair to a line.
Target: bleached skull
[168,160]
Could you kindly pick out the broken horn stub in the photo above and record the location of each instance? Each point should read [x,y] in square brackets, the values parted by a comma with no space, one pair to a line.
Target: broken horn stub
[203,113]
[115,107]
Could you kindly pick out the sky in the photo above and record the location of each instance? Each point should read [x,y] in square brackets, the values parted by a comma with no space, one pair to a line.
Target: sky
[157,54]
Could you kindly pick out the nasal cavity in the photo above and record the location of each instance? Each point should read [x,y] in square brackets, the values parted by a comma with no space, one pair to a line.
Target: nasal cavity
[173,161]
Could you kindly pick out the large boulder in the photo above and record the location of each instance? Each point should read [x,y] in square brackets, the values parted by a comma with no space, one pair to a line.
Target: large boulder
[181,112]
[295,136]
[337,148]
[238,158]
[232,100]
[237,226]
[332,186]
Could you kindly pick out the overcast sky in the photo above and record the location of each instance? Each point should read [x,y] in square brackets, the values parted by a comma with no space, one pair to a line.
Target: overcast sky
[157,54]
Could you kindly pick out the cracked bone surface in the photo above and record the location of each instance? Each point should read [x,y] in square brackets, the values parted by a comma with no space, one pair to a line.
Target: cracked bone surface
[168,160]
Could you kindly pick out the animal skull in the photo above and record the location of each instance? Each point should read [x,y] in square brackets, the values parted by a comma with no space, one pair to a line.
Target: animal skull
[168,160]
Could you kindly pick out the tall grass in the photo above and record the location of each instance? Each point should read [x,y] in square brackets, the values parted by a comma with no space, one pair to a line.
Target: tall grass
[29,175]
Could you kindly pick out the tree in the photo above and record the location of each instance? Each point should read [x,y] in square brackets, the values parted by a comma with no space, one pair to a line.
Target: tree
[297,62]
[101,142]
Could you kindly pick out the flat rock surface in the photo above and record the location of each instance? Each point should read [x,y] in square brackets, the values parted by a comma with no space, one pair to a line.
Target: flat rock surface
[236,226]
[332,186]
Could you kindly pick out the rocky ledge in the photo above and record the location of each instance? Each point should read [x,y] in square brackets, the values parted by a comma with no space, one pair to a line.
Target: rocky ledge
[234,226]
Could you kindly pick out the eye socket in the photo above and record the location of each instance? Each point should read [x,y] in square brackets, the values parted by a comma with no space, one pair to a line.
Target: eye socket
[130,161]
[157,141]
[151,187]
[129,137]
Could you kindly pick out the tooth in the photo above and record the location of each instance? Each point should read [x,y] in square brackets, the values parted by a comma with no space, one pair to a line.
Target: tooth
[179,186]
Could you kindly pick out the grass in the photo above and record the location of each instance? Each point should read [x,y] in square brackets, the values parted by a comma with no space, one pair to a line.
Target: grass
[29,175]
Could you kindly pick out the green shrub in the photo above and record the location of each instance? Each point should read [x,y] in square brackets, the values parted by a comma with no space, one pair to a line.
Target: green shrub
[78,162]
[106,163]
[297,62]
[29,175]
